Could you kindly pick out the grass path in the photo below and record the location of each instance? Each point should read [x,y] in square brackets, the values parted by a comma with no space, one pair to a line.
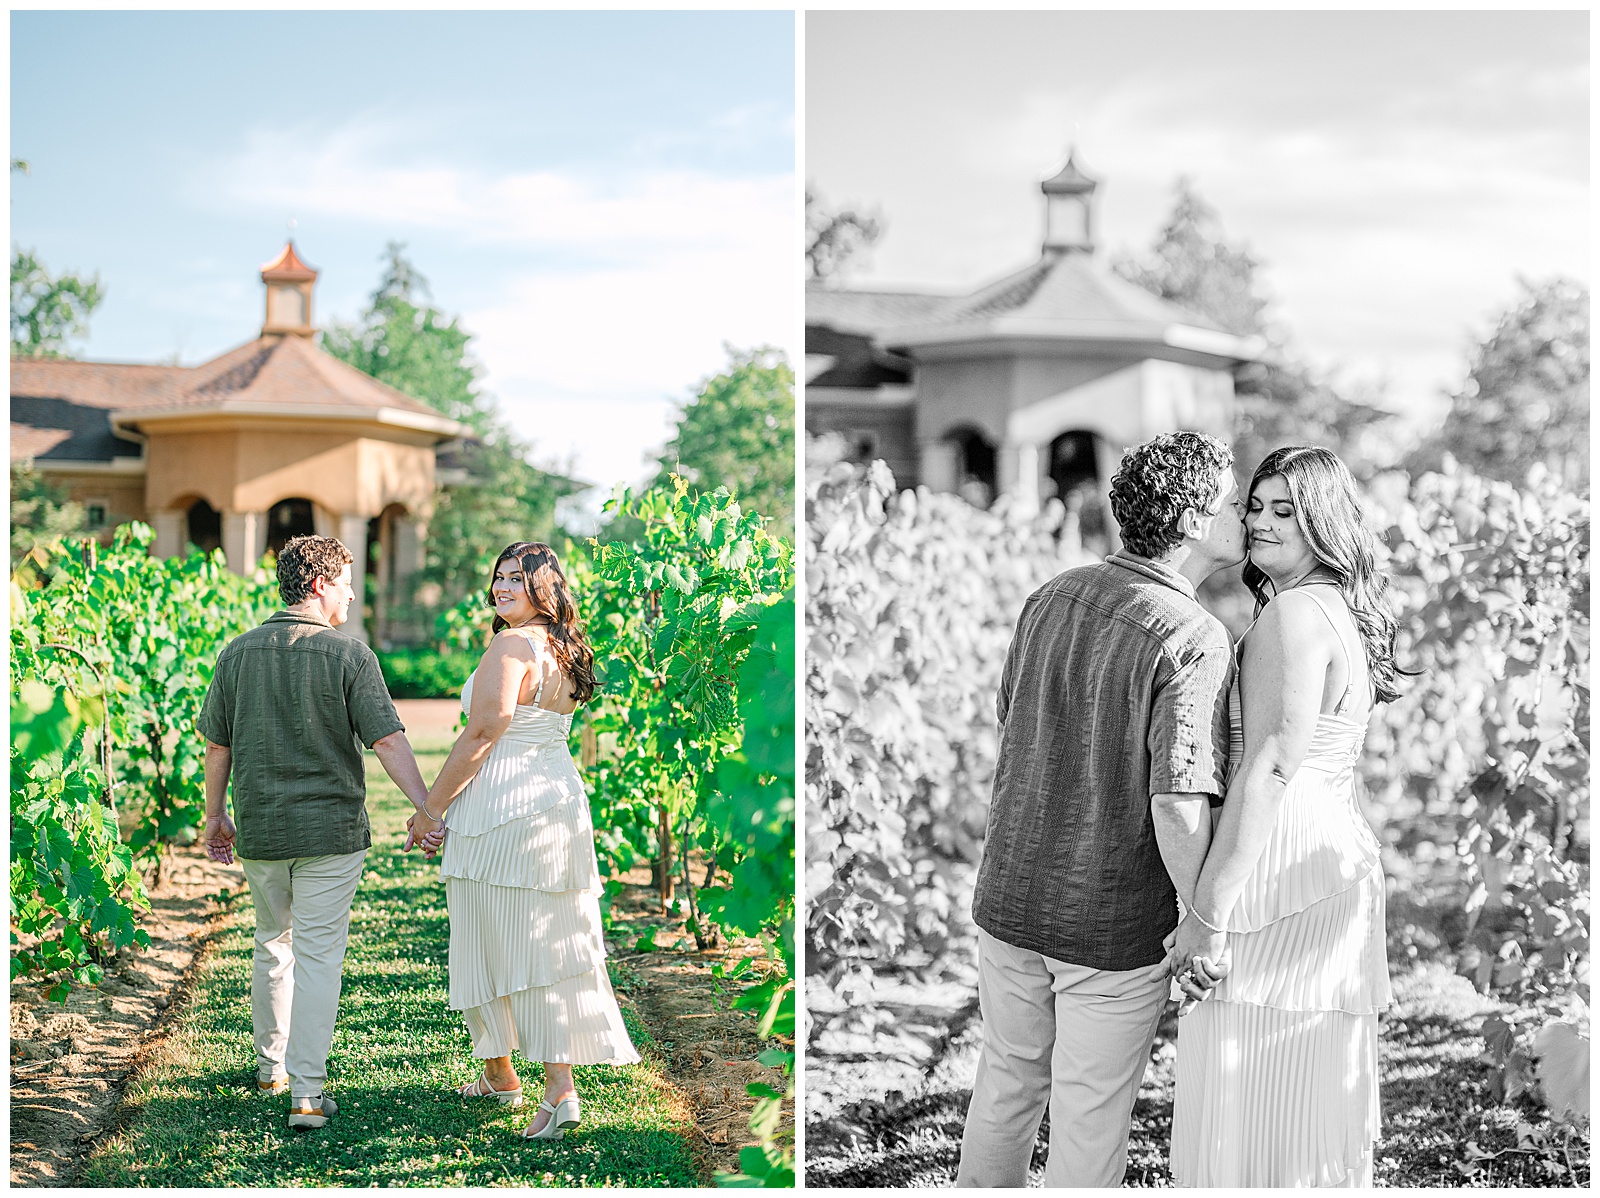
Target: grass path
[194,1119]
[1433,1085]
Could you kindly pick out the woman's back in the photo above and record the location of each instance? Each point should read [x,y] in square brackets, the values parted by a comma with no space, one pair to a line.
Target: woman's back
[545,685]
[1277,1069]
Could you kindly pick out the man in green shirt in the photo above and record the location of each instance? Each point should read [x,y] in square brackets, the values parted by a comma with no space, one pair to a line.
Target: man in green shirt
[289,707]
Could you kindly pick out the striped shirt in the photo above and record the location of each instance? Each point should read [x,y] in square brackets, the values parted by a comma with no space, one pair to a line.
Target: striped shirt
[295,700]
[1115,689]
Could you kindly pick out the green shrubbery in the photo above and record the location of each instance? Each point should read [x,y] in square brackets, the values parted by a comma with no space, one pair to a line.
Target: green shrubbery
[424,672]
[111,654]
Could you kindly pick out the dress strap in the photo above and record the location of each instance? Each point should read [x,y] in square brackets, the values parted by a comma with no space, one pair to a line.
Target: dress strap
[1349,668]
[549,671]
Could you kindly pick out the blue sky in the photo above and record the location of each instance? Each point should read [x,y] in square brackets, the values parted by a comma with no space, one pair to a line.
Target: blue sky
[604,198]
[1394,171]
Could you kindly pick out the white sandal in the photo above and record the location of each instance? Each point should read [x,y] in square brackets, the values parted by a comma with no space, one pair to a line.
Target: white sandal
[482,1087]
[564,1115]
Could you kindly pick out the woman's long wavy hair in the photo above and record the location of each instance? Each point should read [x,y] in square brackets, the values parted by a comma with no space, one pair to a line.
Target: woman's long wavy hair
[546,587]
[1327,507]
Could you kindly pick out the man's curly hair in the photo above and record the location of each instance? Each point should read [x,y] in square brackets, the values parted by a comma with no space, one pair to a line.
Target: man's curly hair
[306,559]
[1158,481]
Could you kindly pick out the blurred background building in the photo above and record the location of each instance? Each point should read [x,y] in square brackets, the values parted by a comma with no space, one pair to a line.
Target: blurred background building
[274,439]
[1032,385]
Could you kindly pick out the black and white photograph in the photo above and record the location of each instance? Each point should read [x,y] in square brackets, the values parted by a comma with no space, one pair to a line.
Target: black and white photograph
[1196,557]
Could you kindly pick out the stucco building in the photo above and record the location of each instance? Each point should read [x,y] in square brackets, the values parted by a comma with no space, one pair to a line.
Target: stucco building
[273,439]
[1031,386]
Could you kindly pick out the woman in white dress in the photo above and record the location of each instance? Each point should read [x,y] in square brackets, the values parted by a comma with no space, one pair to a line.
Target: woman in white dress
[1277,1072]
[527,954]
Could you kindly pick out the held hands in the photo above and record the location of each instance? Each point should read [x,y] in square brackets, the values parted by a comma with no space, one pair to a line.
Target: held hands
[219,836]
[423,831]
[1198,958]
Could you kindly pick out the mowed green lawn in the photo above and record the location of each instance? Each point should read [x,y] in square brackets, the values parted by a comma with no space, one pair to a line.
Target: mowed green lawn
[397,1053]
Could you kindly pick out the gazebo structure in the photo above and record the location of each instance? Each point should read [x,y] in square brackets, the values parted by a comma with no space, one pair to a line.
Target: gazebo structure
[274,439]
[1030,386]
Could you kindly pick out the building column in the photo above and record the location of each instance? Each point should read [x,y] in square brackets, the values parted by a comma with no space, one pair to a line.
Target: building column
[244,540]
[1019,475]
[325,523]
[169,533]
[353,535]
[940,464]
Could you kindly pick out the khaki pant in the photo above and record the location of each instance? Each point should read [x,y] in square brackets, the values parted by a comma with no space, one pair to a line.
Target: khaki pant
[302,924]
[1074,1038]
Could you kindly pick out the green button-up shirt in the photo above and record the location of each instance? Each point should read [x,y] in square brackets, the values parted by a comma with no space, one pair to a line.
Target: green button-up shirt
[295,701]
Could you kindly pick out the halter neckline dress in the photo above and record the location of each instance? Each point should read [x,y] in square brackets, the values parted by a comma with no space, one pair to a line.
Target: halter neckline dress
[527,951]
[1277,1073]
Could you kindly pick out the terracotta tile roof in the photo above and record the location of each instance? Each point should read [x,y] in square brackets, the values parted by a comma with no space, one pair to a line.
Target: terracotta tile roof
[289,372]
[67,406]
[287,267]
[28,443]
[77,399]
[108,385]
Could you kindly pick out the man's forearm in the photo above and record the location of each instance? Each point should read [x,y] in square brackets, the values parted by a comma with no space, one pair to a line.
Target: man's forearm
[400,763]
[219,764]
[1183,834]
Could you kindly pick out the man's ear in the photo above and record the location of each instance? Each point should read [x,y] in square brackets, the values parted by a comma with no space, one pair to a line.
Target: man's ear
[1189,523]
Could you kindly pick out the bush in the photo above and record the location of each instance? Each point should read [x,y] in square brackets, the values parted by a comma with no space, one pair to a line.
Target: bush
[420,672]
[111,654]
[911,599]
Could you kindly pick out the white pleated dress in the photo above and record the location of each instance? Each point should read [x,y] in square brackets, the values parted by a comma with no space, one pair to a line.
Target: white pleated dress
[1277,1073]
[527,951]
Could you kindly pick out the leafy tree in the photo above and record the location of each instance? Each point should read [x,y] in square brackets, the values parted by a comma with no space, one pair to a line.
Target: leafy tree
[1280,400]
[406,342]
[48,311]
[738,433]
[833,238]
[41,515]
[1526,400]
[1193,266]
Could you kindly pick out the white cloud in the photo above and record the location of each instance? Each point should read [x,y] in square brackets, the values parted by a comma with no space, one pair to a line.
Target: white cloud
[586,359]
[591,362]
[357,170]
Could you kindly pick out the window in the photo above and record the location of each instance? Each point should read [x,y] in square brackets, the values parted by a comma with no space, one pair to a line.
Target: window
[861,444]
[288,307]
[95,514]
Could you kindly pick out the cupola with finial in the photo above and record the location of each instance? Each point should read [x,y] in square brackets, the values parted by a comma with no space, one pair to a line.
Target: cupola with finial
[289,282]
[1069,210]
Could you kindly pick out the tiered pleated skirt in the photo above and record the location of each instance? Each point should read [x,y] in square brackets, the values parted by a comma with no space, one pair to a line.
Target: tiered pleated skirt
[1277,1075]
[527,950]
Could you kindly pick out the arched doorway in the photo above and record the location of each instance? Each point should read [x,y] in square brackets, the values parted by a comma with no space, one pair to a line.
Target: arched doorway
[287,519]
[203,524]
[976,461]
[1074,468]
[393,556]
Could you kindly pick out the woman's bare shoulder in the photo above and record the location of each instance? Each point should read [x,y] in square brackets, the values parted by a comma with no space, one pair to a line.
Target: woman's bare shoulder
[522,644]
[1293,622]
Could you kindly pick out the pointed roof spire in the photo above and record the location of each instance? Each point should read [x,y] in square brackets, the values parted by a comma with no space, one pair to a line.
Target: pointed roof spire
[287,268]
[1069,180]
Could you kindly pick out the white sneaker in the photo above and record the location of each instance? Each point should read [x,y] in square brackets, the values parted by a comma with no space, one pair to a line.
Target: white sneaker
[312,1112]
